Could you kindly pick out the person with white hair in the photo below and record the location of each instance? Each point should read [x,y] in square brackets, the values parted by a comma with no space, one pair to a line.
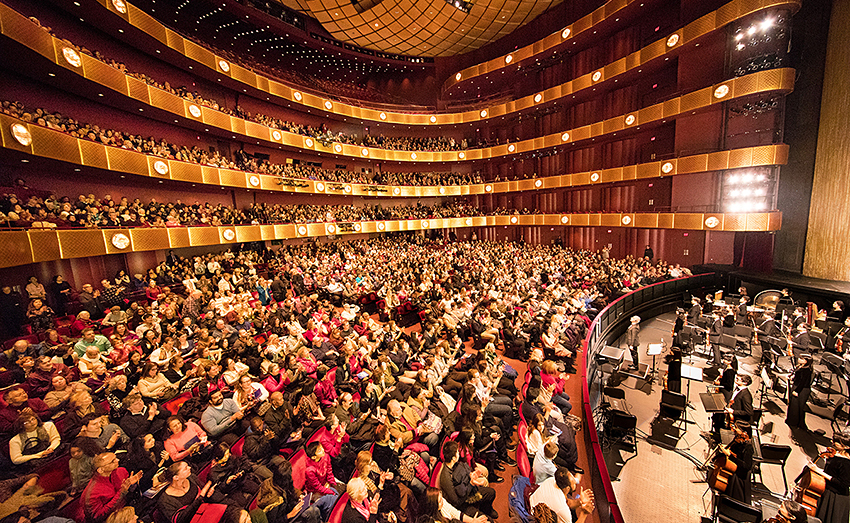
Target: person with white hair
[633,340]
[360,508]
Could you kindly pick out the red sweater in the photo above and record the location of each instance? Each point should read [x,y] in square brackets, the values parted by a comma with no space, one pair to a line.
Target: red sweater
[102,496]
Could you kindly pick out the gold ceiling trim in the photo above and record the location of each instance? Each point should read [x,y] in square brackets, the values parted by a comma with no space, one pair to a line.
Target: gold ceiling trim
[145,23]
[700,27]
[48,143]
[34,246]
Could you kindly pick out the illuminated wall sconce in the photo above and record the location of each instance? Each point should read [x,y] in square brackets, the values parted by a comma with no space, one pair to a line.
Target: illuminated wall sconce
[511,148]
[22,134]
[224,66]
[458,77]
[626,220]
[425,224]
[672,40]
[630,119]
[195,111]
[298,97]
[483,113]
[254,180]
[364,151]
[120,240]
[721,91]
[667,167]
[337,148]
[596,76]
[565,137]
[537,98]
[514,220]
[509,59]
[120,6]
[276,135]
[488,188]
[565,220]
[381,226]
[396,191]
[328,105]
[383,116]
[711,222]
[566,33]
[229,234]
[433,119]
[442,190]
[320,186]
[331,228]
[412,156]
[468,221]
[461,155]
[594,177]
[72,56]
[160,167]
[309,142]
[538,183]
[347,189]
[357,227]
[302,230]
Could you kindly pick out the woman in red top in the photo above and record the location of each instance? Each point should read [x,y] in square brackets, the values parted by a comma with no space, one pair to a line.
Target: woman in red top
[152,291]
[553,383]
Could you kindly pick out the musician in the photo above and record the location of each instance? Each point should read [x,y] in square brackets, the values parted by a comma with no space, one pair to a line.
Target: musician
[799,392]
[800,342]
[708,306]
[766,329]
[633,340]
[714,333]
[742,291]
[842,338]
[786,298]
[799,316]
[834,504]
[678,326]
[674,369]
[695,312]
[790,512]
[837,313]
[740,452]
[728,318]
[741,404]
[741,315]
[726,382]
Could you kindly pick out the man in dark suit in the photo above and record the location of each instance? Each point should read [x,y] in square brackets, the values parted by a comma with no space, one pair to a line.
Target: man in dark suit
[767,328]
[457,482]
[695,312]
[741,407]
[800,341]
[741,312]
[714,333]
[633,340]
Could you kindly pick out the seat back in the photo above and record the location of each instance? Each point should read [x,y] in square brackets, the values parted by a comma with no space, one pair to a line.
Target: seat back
[732,511]
[435,476]
[614,392]
[522,462]
[744,331]
[673,400]
[522,432]
[299,468]
[236,448]
[772,453]
[336,513]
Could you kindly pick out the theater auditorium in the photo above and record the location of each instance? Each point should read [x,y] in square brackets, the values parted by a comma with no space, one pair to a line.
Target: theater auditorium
[424,261]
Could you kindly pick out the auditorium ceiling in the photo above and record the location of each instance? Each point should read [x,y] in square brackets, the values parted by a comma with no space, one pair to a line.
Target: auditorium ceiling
[424,28]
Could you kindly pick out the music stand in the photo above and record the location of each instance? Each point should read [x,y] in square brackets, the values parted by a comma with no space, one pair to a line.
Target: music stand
[653,349]
[689,372]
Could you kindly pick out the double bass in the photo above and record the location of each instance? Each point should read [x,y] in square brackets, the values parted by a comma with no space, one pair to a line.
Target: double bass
[724,469]
[811,485]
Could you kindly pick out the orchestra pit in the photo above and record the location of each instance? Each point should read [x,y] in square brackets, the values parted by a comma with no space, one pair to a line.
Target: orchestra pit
[424,261]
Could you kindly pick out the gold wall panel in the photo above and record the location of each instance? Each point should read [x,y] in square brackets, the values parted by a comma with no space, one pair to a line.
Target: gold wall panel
[718,161]
[199,54]
[146,23]
[665,220]
[178,237]
[51,144]
[211,175]
[284,231]
[243,75]
[215,118]
[16,249]
[93,154]
[238,126]
[44,245]
[267,232]
[609,220]
[175,41]
[648,170]
[757,222]
[734,222]
[232,178]
[84,243]
[692,221]
[105,75]
[125,161]
[139,90]
[740,158]
[20,28]
[253,130]
[692,164]
[203,236]
[315,229]
[166,101]
[185,171]
[645,221]
[248,233]
[149,239]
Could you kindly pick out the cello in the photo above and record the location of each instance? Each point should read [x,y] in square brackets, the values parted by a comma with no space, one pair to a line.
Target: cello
[724,469]
[810,485]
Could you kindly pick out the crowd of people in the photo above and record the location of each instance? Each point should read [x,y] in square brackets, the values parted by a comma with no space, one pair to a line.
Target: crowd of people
[271,347]
[321,132]
[51,211]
